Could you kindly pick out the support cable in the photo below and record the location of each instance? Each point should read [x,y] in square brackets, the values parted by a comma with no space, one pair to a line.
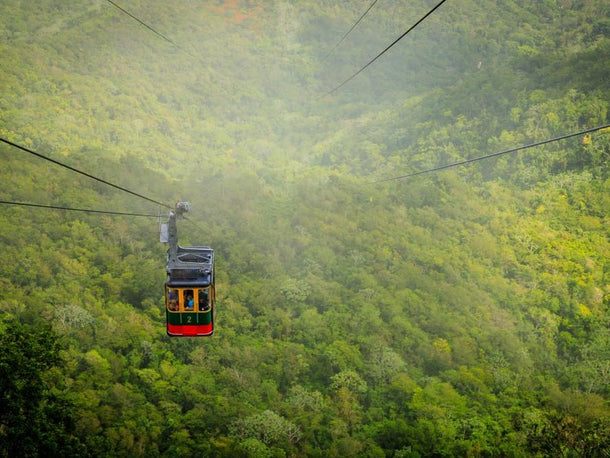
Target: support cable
[159,34]
[500,153]
[142,23]
[194,223]
[387,48]
[88,175]
[86,210]
[350,30]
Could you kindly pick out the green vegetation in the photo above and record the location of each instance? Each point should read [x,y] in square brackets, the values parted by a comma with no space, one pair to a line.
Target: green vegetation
[462,313]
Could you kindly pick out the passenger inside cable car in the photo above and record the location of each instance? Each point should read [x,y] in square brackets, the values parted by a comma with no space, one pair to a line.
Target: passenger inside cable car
[172,300]
[189,303]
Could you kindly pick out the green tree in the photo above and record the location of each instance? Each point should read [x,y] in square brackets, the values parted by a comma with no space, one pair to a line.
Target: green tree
[36,417]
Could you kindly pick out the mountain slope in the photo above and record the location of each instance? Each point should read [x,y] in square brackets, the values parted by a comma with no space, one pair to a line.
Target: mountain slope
[463,312]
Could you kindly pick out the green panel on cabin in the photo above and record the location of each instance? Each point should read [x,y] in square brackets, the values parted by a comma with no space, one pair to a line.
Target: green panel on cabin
[205,317]
[178,318]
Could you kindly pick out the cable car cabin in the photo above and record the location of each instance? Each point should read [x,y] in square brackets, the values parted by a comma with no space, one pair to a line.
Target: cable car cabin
[189,291]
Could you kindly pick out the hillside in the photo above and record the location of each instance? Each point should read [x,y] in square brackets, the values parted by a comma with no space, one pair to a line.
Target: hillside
[460,312]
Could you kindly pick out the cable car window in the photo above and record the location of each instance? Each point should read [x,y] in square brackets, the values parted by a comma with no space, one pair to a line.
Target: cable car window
[204,300]
[172,300]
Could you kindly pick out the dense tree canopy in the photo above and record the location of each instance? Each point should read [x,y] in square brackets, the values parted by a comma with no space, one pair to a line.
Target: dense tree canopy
[458,313]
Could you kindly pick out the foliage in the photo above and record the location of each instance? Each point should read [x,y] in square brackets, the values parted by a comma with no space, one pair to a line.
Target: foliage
[460,313]
[36,416]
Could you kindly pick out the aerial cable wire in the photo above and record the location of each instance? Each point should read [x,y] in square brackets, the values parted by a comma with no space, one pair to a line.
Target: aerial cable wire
[350,30]
[499,153]
[86,210]
[152,29]
[422,19]
[88,175]
[143,23]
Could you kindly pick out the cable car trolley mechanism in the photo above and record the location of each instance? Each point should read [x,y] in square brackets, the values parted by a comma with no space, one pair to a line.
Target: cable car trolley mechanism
[189,288]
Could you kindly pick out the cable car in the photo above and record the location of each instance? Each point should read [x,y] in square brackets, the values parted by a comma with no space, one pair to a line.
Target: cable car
[189,288]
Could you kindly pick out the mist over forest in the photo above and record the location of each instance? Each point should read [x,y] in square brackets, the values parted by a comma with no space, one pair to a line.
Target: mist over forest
[361,310]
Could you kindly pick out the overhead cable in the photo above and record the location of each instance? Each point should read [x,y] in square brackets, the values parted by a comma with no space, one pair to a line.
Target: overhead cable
[350,30]
[142,23]
[500,153]
[388,47]
[151,29]
[88,175]
[86,210]
[194,223]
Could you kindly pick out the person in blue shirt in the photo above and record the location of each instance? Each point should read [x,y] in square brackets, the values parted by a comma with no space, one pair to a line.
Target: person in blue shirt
[190,304]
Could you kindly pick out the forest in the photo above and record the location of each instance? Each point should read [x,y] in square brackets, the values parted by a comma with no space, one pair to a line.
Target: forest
[359,312]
